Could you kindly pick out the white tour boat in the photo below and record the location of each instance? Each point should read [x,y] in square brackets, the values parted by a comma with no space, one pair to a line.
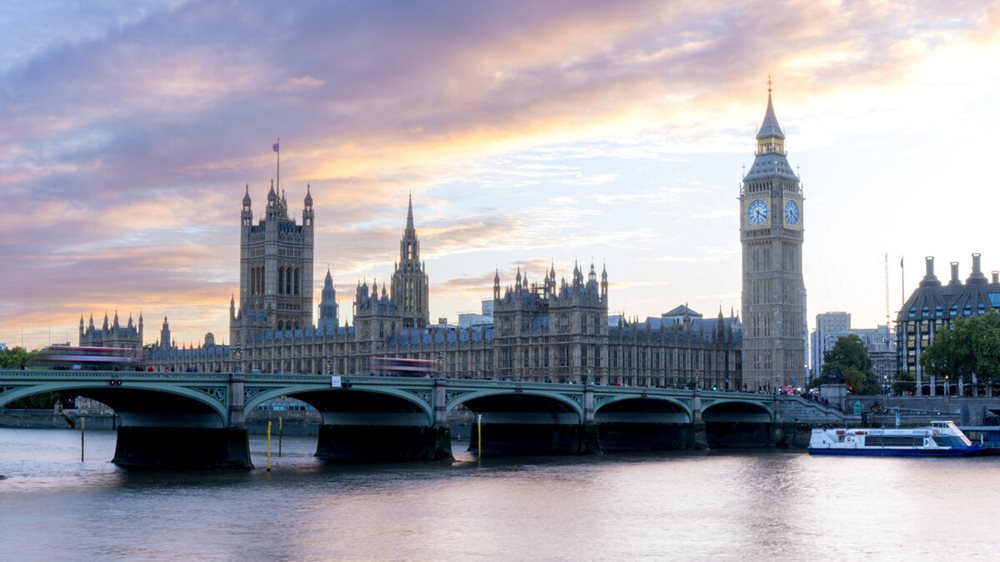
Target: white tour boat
[940,439]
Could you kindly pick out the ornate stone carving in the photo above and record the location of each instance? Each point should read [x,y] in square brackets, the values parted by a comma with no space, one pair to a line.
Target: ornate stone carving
[217,392]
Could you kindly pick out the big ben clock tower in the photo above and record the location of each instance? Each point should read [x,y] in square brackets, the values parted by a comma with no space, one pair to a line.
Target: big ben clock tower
[774,294]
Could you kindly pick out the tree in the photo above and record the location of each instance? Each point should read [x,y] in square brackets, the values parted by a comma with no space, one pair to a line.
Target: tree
[971,346]
[14,358]
[848,352]
[849,363]
[905,383]
[18,358]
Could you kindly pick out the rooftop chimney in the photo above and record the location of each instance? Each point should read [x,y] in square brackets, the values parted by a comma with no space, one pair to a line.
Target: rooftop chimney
[929,279]
[954,274]
[977,276]
[996,276]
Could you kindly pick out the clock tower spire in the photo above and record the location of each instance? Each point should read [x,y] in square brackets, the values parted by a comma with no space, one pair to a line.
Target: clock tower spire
[771,234]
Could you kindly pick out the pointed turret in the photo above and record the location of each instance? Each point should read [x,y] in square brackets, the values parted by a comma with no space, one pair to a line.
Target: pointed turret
[409,287]
[165,334]
[328,305]
[770,128]
[246,216]
[308,214]
[604,282]
[409,213]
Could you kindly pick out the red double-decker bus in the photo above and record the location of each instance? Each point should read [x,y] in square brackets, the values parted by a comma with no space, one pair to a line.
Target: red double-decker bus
[83,358]
[399,366]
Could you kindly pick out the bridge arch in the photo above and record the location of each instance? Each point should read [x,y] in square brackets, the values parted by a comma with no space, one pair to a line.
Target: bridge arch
[308,393]
[738,423]
[523,421]
[118,398]
[569,405]
[615,402]
[751,410]
[633,422]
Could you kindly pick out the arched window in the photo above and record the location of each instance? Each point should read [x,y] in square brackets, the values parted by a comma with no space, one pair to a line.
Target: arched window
[281,280]
[297,280]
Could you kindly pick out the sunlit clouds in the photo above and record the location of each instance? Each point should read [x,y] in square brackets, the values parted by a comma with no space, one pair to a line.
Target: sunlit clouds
[529,133]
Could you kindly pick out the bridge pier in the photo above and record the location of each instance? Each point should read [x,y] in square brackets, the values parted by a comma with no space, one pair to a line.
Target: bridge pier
[152,441]
[505,439]
[698,432]
[363,437]
[182,448]
[590,436]
[383,443]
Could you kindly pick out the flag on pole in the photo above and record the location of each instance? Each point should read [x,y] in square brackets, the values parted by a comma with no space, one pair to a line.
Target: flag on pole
[900,259]
[275,147]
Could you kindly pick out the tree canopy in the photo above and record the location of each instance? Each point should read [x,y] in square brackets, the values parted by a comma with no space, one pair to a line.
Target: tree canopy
[13,358]
[849,363]
[972,345]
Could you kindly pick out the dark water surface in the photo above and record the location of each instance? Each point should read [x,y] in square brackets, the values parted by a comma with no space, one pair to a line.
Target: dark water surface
[769,505]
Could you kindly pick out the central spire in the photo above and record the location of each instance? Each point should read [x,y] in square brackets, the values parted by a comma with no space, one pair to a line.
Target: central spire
[409,213]
[409,288]
[770,138]
[770,128]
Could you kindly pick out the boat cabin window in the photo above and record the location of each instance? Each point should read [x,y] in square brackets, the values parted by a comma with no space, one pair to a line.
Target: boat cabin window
[949,441]
[894,441]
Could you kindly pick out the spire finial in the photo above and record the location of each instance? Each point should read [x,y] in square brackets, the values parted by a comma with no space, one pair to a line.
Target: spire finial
[409,211]
[768,84]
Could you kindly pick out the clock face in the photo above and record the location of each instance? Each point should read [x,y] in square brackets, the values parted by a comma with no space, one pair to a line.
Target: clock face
[791,213]
[757,212]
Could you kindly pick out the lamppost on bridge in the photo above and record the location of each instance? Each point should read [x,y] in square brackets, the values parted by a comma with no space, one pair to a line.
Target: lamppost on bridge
[327,366]
[441,373]
[237,355]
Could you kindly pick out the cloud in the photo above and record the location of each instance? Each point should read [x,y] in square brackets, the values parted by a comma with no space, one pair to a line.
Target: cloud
[129,132]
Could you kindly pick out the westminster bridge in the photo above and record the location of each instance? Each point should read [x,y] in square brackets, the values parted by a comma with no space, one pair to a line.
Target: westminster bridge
[199,419]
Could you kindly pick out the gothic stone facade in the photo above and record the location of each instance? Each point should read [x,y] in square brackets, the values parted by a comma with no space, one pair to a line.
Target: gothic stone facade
[774,294]
[550,331]
[112,334]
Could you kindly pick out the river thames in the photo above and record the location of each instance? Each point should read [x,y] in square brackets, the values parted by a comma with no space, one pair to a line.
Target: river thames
[747,505]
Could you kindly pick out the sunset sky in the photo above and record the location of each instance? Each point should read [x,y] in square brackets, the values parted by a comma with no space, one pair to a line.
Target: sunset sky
[528,133]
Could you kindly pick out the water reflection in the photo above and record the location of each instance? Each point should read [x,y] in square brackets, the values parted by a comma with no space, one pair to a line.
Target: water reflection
[746,505]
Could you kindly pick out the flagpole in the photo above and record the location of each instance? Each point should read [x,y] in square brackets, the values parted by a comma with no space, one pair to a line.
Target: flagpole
[278,144]
[902,284]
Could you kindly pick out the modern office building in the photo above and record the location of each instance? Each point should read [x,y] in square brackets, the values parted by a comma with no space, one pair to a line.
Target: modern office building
[881,345]
[829,327]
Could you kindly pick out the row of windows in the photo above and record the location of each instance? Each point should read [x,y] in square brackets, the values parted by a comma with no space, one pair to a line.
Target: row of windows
[953,311]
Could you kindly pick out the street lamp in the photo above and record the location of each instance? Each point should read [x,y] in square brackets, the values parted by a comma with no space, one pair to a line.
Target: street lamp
[327,368]
[237,353]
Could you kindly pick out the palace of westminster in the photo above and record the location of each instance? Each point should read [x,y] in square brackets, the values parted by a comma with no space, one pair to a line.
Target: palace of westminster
[554,329]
